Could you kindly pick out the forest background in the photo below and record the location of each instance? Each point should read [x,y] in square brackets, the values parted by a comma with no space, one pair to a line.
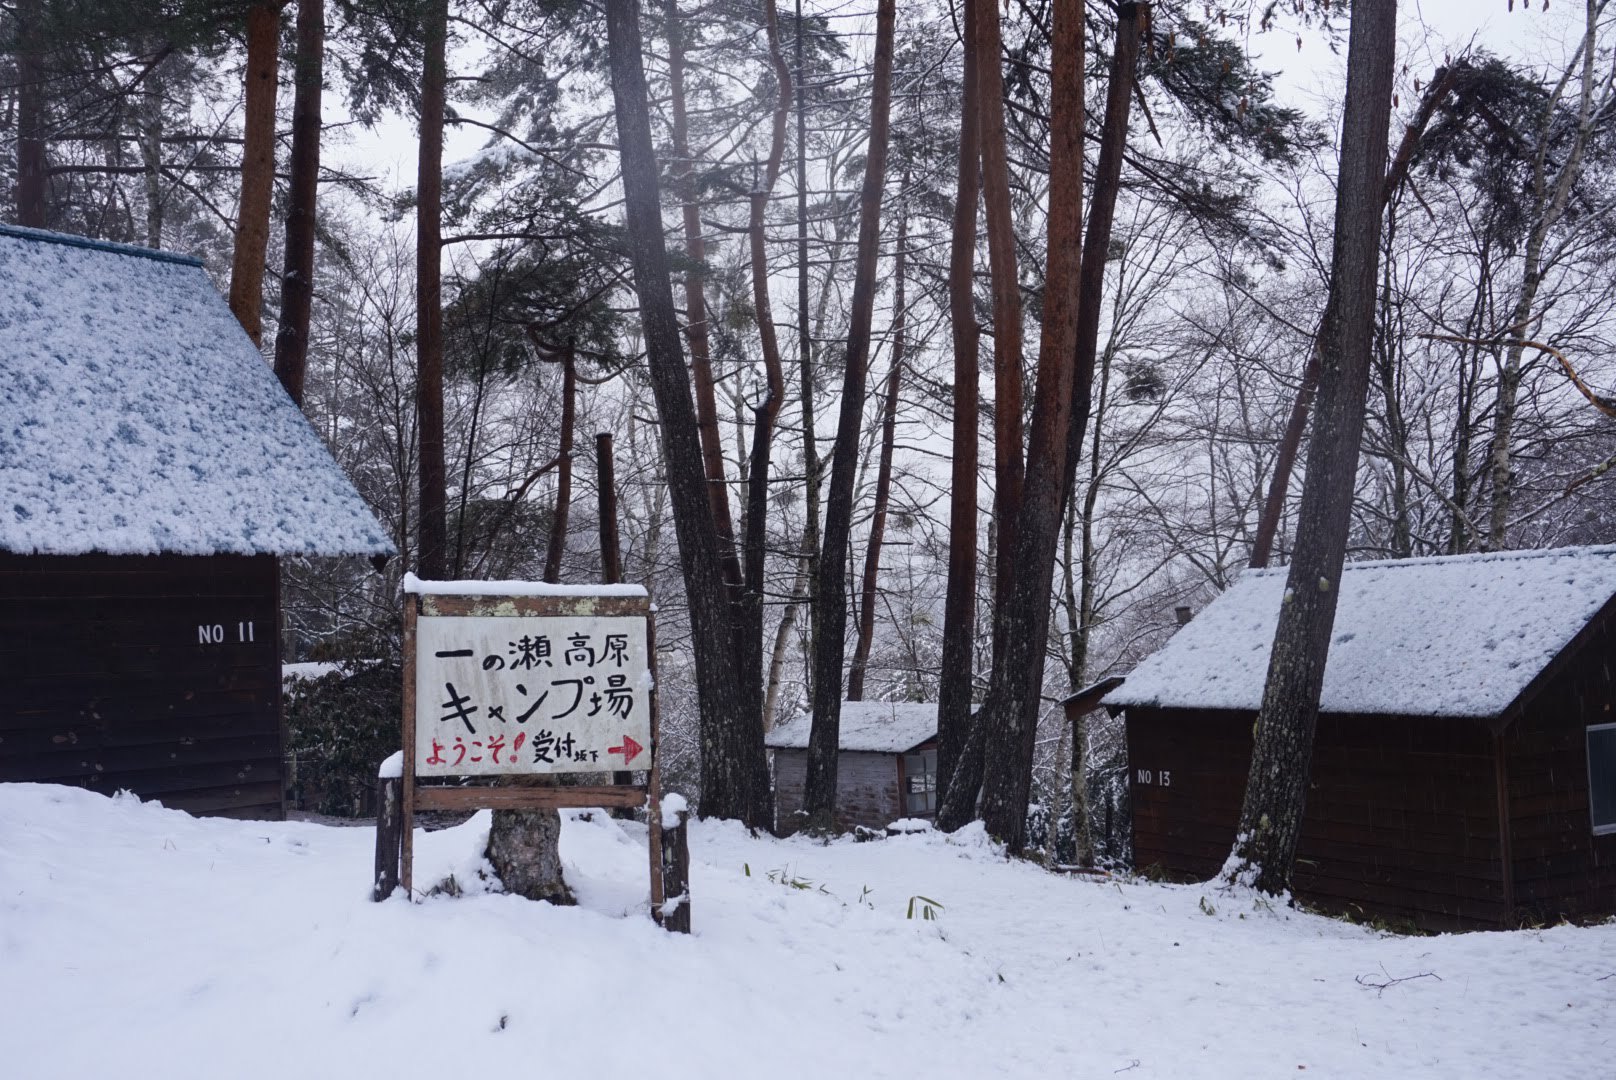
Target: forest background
[515,306]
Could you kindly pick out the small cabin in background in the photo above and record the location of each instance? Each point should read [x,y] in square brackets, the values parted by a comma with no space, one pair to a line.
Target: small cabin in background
[1464,767]
[886,767]
[152,473]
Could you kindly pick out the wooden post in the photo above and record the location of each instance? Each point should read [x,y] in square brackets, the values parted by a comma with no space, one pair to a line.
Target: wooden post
[611,563]
[389,834]
[674,911]
[407,840]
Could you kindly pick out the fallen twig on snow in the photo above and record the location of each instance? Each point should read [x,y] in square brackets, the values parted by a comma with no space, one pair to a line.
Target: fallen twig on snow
[1379,987]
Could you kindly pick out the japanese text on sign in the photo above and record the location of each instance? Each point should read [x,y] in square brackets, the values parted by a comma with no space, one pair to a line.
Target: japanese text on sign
[498,695]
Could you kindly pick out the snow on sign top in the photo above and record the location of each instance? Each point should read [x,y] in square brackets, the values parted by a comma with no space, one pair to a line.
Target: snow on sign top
[882,727]
[137,418]
[1453,636]
[416,586]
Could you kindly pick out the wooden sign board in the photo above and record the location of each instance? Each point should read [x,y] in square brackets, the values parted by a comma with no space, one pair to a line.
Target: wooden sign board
[519,695]
[520,683]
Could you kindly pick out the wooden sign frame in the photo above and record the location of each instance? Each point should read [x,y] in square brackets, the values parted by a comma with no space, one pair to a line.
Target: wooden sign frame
[505,796]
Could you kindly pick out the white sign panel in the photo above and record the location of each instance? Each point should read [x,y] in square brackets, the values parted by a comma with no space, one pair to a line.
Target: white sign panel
[514,695]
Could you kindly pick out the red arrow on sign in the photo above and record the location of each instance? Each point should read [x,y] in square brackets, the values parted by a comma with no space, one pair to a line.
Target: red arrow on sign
[630,749]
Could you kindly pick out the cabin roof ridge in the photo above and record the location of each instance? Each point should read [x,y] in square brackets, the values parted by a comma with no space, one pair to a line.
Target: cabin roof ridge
[48,236]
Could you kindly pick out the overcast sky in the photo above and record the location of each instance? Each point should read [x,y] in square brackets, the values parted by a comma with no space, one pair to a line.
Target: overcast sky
[1309,78]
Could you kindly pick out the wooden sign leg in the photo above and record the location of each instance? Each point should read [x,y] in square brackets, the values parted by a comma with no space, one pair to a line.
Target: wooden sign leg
[389,835]
[653,837]
[675,851]
[407,845]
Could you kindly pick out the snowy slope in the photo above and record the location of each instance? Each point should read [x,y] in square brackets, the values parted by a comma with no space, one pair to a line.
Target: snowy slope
[1456,636]
[139,942]
[136,417]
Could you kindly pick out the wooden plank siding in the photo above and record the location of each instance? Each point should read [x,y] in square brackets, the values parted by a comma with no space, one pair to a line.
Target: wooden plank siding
[1402,818]
[1562,870]
[866,788]
[108,686]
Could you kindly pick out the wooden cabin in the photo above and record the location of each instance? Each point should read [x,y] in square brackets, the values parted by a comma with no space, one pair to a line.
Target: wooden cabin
[152,473]
[886,767]
[1464,767]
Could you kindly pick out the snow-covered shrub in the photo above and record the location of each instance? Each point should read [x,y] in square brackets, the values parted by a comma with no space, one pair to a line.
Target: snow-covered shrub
[339,727]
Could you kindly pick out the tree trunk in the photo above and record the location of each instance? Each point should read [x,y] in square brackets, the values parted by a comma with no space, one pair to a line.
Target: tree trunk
[433,509]
[1006,286]
[732,755]
[1290,442]
[257,168]
[805,360]
[830,596]
[297,282]
[883,476]
[701,364]
[151,155]
[1276,789]
[563,503]
[1009,717]
[524,848]
[1082,819]
[749,621]
[959,604]
[1388,363]
[32,126]
[782,640]
[1083,613]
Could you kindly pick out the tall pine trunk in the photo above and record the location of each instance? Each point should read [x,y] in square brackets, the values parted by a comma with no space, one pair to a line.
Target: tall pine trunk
[1005,279]
[1276,789]
[257,168]
[1021,614]
[959,604]
[732,755]
[433,508]
[297,281]
[696,331]
[830,595]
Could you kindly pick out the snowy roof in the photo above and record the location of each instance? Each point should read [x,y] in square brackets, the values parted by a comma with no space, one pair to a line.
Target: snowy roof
[136,417]
[882,727]
[1454,636]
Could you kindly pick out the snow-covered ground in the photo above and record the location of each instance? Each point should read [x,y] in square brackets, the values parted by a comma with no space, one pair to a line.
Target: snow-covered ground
[140,942]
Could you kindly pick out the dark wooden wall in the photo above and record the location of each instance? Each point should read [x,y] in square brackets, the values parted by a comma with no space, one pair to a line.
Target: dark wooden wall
[1561,868]
[1402,818]
[866,788]
[107,685]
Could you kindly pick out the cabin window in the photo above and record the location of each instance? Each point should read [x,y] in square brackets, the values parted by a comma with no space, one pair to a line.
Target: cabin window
[920,782]
[1602,777]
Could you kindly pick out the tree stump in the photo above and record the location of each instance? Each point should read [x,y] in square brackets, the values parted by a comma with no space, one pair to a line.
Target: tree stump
[524,847]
